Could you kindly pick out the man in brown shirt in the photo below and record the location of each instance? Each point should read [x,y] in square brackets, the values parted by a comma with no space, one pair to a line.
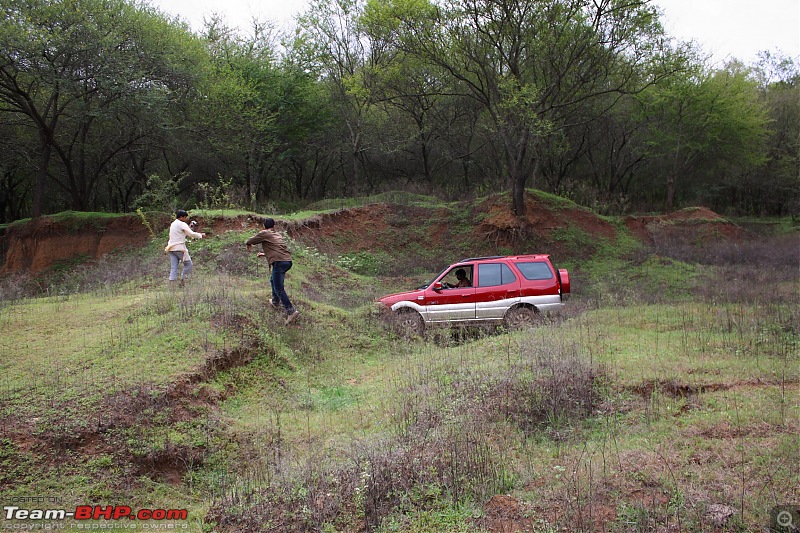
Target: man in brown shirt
[280,261]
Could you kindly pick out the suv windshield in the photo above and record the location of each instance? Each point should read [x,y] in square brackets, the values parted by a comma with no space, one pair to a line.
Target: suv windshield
[428,284]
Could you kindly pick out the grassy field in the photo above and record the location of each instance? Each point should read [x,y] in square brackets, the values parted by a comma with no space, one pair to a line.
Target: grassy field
[664,398]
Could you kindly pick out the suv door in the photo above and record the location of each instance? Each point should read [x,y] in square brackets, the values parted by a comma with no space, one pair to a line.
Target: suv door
[451,304]
[497,289]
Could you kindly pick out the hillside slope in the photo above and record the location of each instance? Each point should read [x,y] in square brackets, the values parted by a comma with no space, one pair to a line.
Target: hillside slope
[660,399]
[395,238]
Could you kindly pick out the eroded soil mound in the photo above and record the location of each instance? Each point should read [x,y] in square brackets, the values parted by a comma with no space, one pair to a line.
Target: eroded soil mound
[692,225]
[381,225]
[406,237]
[547,222]
[45,242]
[432,236]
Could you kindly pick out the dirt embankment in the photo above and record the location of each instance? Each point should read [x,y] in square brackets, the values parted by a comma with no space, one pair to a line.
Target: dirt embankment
[46,241]
[694,225]
[542,223]
[485,228]
[550,225]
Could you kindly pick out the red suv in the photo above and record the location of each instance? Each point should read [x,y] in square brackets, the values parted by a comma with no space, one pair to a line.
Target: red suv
[483,290]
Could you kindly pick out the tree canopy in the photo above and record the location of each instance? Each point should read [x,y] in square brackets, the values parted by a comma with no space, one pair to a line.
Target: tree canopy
[111,105]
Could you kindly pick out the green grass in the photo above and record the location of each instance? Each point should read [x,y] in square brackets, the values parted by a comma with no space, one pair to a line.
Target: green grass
[769,226]
[391,197]
[124,339]
[558,202]
[75,219]
[134,395]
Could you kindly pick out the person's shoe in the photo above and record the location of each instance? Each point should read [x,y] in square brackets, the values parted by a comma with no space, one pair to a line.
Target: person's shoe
[292,316]
[275,305]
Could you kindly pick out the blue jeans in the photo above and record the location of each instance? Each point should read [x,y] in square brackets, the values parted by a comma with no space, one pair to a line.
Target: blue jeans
[174,260]
[279,270]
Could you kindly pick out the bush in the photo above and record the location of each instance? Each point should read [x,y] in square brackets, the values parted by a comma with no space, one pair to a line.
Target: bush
[366,263]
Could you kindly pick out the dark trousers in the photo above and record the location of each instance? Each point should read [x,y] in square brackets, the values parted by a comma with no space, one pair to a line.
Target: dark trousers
[276,279]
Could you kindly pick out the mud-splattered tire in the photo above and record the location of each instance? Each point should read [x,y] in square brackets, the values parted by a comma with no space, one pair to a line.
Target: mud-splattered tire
[520,317]
[408,323]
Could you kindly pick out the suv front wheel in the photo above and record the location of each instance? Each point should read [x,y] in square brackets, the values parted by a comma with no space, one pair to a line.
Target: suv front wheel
[408,323]
[520,317]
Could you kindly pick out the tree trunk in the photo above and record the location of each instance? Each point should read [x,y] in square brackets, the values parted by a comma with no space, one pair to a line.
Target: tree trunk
[518,195]
[41,178]
[670,205]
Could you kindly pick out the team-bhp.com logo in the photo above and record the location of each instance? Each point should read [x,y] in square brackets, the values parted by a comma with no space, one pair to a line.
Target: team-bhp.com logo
[93,512]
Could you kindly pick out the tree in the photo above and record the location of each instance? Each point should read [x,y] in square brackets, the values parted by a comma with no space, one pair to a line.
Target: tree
[238,112]
[778,189]
[14,182]
[305,146]
[532,64]
[333,35]
[706,125]
[429,126]
[606,153]
[83,73]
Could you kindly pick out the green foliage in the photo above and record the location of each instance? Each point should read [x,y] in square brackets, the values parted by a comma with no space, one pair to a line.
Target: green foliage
[706,126]
[769,226]
[146,223]
[331,398]
[16,464]
[592,248]
[672,279]
[616,280]
[160,194]
[106,107]
[367,263]
[407,96]
[77,221]
[216,196]
[452,519]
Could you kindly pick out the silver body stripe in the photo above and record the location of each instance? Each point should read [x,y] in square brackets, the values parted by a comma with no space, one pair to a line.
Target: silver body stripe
[482,311]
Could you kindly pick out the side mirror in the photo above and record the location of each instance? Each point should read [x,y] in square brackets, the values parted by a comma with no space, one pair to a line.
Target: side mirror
[437,286]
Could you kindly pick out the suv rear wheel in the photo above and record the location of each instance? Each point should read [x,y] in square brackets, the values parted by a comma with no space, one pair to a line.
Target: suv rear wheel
[520,317]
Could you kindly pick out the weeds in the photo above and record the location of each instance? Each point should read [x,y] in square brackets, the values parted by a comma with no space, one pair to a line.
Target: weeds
[662,399]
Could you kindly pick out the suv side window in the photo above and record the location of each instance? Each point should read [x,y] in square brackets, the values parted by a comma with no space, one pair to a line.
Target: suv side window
[452,281]
[535,271]
[493,274]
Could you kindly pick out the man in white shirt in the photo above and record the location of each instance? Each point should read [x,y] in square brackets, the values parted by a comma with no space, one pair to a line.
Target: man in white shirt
[176,247]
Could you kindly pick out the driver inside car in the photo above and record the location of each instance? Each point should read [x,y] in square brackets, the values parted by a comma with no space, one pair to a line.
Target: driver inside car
[463,280]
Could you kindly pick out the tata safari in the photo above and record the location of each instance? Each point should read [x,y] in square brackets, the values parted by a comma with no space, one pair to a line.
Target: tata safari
[495,290]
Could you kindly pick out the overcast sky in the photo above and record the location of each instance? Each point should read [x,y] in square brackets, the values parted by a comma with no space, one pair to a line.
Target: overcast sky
[723,28]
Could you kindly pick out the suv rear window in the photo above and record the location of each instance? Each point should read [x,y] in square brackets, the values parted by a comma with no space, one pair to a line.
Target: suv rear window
[534,271]
[492,274]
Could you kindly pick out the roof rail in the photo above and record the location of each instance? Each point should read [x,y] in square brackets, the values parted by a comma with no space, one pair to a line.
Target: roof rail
[499,257]
[482,258]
